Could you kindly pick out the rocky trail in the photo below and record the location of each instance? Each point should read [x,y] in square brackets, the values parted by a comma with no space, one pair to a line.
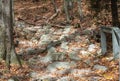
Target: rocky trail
[57,51]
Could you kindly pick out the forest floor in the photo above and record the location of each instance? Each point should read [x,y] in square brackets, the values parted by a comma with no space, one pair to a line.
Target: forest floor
[53,50]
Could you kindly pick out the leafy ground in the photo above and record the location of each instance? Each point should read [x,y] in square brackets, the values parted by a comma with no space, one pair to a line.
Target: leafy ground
[55,51]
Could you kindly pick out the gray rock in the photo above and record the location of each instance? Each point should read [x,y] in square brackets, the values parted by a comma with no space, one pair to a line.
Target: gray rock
[35,39]
[31,51]
[31,29]
[64,45]
[58,56]
[53,44]
[74,56]
[87,32]
[94,78]
[100,67]
[77,38]
[80,72]
[45,39]
[33,74]
[40,31]
[33,60]
[46,27]
[71,37]
[38,77]
[63,38]
[67,30]
[91,47]
[29,36]
[88,61]
[66,78]
[19,24]
[26,31]
[46,59]
[51,50]
[60,67]
[55,56]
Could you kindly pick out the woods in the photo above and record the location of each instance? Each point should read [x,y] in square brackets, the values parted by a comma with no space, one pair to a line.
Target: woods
[59,40]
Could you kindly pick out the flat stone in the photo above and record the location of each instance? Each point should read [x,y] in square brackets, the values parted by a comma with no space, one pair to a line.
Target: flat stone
[53,56]
[51,50]
[61,67]
[46,59]
[64,45]
[87,32]
[45,39]
[59,56]
[100,67]
[30,51]
[74,56]
[80,72]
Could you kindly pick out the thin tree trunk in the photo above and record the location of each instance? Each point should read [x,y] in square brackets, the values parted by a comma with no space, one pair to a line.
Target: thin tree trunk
[66,10]
[114,13]
[80,9]
[0,10]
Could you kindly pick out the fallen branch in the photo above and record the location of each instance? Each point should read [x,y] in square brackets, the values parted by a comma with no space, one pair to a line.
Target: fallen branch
[53,16]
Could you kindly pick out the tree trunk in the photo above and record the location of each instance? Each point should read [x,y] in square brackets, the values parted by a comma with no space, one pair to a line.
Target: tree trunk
[0,10]
[66,10]
[114,12]
[80,9]
[7,14]
[2,35]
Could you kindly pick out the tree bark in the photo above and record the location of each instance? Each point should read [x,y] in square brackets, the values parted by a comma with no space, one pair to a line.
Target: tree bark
[66,10]
[114,12]
[2,35]
[80,9]
[7,14]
